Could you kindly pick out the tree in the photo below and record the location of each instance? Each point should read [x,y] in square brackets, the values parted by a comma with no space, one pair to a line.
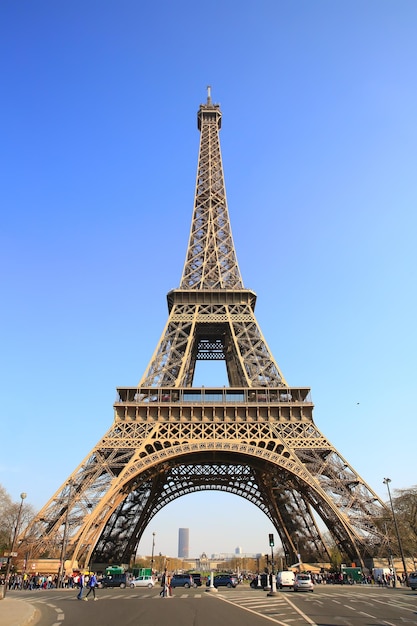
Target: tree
[9,511]
[404,503]
[336,558]
[6,527]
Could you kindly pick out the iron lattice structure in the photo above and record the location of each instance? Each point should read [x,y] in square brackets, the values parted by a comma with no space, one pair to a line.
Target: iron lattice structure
[255,438]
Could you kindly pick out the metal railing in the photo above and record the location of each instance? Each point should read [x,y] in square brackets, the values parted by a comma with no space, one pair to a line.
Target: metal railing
[214,395]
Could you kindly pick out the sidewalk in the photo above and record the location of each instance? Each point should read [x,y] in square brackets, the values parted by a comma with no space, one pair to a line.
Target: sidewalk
[16,612]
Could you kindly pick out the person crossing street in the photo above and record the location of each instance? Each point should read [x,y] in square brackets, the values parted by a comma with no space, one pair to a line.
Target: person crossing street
[92,584]
[81,586]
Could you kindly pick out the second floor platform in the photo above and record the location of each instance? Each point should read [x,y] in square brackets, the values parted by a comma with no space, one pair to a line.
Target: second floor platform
[213,403]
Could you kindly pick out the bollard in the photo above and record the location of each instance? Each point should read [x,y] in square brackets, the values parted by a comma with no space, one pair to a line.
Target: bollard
[273,591]
[212,588]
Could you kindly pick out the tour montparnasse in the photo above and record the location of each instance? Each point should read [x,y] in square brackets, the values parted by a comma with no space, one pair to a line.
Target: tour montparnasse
[255,438]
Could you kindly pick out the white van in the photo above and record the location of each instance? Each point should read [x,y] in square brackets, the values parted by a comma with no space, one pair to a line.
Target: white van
[285,579]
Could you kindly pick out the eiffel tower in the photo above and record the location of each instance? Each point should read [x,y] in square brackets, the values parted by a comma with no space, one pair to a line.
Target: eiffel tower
[255,438]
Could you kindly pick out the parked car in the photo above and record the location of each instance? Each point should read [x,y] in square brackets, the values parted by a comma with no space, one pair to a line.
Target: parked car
[197,580]
[285,578]
[412,580]
[182,580]
[142,581]
[115,580]
[303,582]
[224,580]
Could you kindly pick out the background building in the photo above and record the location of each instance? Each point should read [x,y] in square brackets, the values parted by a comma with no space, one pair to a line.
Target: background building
[183,543]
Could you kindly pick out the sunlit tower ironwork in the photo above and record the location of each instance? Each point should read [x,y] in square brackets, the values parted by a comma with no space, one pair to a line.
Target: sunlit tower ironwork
[255,438]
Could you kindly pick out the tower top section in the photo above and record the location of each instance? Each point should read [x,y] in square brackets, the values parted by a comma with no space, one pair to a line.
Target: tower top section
[211,261]
[209,112]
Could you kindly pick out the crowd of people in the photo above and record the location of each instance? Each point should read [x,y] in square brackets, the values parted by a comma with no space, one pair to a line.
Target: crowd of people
[43,581]
[337,578]
[327,578]
[78,580]
[32,581]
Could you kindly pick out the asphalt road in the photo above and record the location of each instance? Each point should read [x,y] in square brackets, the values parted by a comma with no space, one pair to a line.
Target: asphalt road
[357,605]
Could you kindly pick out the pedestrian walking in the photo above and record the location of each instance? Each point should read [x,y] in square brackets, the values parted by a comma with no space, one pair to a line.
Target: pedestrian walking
[163,584]
[168,586]
[81,585]
[92,584]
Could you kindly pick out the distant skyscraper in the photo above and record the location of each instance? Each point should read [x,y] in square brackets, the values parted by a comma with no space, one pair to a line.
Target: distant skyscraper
[238,550]
[183,543]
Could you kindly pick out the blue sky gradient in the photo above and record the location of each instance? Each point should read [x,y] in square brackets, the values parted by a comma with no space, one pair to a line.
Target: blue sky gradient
[98,162]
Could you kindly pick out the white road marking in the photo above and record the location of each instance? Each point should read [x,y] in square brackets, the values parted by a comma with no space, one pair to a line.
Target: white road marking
[303,615]
[244,608]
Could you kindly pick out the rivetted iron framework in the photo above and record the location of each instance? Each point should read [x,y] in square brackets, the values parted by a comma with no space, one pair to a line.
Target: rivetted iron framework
[255,438]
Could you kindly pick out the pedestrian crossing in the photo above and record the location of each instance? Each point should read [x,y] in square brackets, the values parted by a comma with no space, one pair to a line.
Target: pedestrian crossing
[128,596]
[277,609]
[283,609]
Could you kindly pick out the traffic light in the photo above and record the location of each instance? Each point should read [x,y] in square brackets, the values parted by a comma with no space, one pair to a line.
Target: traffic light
[271,540]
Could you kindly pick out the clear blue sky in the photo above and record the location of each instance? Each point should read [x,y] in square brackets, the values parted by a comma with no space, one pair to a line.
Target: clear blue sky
[99,147]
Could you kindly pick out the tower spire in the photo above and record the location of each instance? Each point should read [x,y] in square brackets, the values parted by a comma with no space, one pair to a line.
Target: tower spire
[211,261]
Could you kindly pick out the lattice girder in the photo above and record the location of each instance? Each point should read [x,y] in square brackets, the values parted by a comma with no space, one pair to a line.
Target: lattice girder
[279,435]
[248,359]
[175,481]
[211,261]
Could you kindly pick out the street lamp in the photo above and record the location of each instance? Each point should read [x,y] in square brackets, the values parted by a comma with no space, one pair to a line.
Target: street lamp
[12,552]
[390,559]
[153,547]
[387,482]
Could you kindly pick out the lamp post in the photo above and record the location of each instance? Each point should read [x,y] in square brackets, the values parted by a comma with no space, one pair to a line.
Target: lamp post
[387,482]
[273,591]
[390,559]
[153,548]
[12,553]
